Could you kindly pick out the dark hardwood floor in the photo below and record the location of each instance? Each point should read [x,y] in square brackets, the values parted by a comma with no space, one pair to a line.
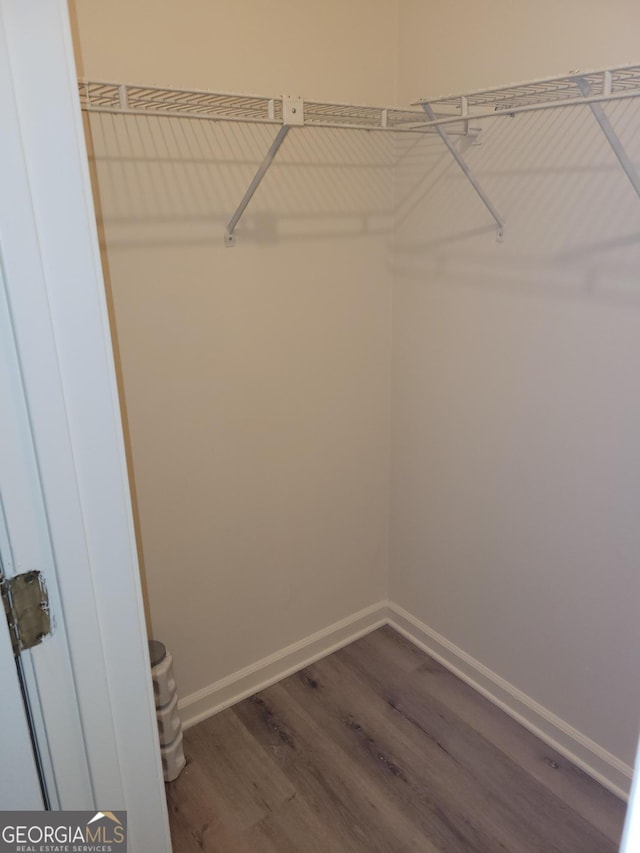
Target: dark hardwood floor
[380,748]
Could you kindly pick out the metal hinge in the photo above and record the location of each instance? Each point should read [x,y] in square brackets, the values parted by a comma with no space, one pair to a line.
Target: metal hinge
[26,604]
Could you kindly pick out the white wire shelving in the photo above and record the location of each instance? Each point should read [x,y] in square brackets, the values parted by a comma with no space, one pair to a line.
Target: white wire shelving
[446,116]
[194,103]
[590,88]
[286,111]
[604,85]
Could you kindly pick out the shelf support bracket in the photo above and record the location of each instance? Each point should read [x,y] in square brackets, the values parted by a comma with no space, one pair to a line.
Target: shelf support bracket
[292,115]
[263,168]
[607,128]
[444,136]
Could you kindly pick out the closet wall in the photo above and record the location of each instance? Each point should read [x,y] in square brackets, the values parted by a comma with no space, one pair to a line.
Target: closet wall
[516,414]
[256,379]
[455,46]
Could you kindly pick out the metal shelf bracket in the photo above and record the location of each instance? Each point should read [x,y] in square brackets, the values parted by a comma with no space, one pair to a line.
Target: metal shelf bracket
[607,128]
[444,136]
[292,115]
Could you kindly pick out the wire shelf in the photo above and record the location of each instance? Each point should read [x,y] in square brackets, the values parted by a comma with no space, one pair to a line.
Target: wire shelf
[149,100]
[610,84]
[452,111]
[603,84]
[182,103]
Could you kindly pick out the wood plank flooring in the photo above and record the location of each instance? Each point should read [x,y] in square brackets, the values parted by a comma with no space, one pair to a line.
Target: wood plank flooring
[379,748]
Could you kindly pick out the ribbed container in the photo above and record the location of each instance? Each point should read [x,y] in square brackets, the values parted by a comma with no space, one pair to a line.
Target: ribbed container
[173,760]
[168,719]
[169,726]
[164,684]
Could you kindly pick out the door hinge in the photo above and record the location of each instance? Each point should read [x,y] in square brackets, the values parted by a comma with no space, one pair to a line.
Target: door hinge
[26,604]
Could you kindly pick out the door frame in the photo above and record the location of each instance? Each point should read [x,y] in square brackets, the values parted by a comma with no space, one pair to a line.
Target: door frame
[61,329]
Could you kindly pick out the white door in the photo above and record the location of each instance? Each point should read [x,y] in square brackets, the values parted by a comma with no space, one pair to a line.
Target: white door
[25,545]
[21,787]
[65,508]
[25,534]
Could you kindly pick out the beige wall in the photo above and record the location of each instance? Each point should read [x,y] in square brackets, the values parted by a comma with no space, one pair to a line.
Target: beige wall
[448,47]
[264,48]
[256,378]
[515,442]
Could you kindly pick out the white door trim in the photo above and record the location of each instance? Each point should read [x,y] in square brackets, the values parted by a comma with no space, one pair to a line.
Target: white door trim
[60,323]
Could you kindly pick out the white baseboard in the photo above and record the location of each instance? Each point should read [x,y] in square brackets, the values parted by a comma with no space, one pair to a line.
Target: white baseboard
[606,768]
[237,686]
